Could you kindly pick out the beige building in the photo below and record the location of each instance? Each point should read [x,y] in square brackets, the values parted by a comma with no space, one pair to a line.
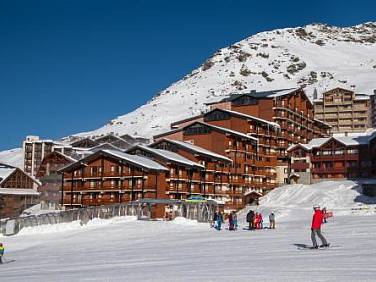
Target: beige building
[344,110]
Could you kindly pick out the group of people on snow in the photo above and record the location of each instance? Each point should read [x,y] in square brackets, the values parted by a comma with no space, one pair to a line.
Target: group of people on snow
[218,220]
[254,219]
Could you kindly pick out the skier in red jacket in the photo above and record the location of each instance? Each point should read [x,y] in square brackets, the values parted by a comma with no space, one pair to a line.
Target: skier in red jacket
[316,228]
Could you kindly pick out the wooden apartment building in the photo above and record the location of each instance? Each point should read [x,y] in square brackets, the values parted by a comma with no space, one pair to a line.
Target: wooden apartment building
[341,157]
[109,177]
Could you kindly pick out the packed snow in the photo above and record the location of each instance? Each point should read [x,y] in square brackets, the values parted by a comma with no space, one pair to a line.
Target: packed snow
[125,249]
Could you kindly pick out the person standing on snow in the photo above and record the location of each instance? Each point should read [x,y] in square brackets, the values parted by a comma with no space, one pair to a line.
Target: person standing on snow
[1,252]
[235,220]
[230,222]
[257,221]
[250,219]
[219,220]
[271,221]
[317,220]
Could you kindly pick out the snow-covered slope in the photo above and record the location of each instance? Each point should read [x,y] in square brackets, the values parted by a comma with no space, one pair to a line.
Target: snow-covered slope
[12,157]
[314,56]
[120,249]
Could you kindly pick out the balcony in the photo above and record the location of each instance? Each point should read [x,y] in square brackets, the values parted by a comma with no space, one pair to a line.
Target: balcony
[329,170]
[345,157]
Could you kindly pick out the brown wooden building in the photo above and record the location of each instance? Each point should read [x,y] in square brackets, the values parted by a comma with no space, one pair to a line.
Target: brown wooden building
[342,157]
[17,191]
[291,109]
[213,181]
[109,177]
[50,190]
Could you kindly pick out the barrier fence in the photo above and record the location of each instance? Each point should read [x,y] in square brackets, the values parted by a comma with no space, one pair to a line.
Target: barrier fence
[202,212]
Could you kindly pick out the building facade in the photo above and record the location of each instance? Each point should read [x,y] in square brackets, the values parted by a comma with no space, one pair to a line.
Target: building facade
[18,191]
[51,181]
[333,158]
[345,111]
[110,177]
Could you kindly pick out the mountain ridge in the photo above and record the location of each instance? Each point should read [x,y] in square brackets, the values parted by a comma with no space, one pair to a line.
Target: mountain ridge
[281,58]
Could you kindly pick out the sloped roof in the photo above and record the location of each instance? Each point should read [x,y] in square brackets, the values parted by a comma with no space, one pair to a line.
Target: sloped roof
[196,149]
[258,94]
[141,161]
[133,159]
[6,171]
[346,140]
[223,129]
[171,156]
[242,115]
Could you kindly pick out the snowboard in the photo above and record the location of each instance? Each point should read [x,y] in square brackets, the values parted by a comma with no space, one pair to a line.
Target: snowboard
[8,261]
[309,247]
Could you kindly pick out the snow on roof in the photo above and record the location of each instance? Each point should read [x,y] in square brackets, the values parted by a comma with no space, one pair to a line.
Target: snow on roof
[141,161]
[18,191]
[230,131]
[197,149]
[352,140]
[275,125]
[5,171]
[170,156]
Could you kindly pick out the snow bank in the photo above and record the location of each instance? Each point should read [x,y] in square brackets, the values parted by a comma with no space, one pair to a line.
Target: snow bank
[74,225]
[334,195]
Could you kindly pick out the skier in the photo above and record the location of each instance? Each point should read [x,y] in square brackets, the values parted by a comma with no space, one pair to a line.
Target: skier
[230,222]
[261,221]
[271,221]
[257,221]
[214,221]
[250,219]
[235,219]
[219,220]
[1,252]
[316,228]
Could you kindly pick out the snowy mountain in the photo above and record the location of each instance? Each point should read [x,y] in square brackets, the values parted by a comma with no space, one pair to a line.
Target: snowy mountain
[314,56]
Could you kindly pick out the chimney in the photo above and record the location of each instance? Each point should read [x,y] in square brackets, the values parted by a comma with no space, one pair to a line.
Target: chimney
[315,94]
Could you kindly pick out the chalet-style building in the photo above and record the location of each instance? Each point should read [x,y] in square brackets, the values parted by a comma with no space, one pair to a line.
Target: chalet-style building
[17,191]
[109,176]
[213,181]
[291,109]
[51,181]
[339,157]
[182,175]
[251,170]
[344,110]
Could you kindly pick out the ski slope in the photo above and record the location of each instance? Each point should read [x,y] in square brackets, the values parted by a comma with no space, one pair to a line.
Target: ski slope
[124,249]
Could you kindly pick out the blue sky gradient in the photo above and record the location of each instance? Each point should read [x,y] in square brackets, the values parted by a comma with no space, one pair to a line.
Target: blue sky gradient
[71,66]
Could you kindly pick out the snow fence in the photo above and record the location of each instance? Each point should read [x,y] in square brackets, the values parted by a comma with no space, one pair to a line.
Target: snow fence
[201,212]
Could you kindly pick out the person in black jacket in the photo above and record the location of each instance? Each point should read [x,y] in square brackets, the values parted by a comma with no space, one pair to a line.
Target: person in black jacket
[251,219]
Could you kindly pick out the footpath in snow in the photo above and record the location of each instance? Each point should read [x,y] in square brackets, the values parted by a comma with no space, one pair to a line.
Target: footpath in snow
[124,249]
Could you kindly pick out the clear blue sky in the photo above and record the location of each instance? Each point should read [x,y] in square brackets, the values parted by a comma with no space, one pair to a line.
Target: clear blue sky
[70,66]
